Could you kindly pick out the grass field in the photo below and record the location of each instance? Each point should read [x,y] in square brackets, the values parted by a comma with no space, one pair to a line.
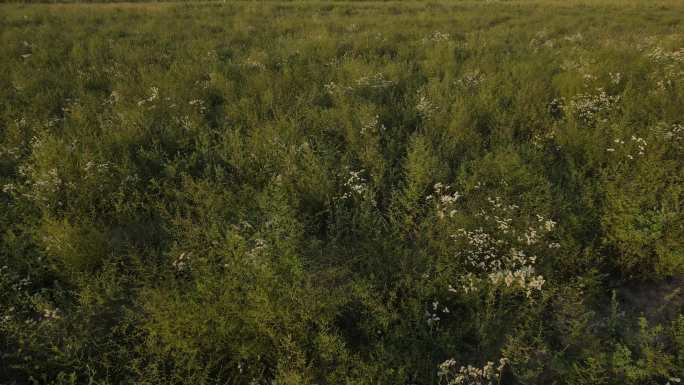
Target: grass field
[399,193]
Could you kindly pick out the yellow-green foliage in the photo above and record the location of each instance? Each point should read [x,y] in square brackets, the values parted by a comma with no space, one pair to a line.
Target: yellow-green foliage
[476,192]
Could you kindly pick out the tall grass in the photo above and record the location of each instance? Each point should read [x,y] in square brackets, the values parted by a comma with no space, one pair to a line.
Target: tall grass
[342,193]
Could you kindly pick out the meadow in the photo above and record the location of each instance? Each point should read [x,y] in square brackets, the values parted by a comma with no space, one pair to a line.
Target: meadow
[391,193]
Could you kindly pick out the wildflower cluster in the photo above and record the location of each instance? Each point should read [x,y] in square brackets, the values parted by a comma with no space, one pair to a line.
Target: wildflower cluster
[674,133]
[253,62]
[636,144]
[471,79]
[260,246]
[591,108]
[49,314]
[445,201]
[437,36]
[182,263]
[574,38]
[372,125]
[659,55]
[486,263]
[541,40]
[432,314]
[199,103]
[154,94]
[489,374]
[671,64]
[377,80]
[355,186]
[615,77]
[424,106]
[504,256]
[40,187]
[91,167]
[332,88]
[113,98]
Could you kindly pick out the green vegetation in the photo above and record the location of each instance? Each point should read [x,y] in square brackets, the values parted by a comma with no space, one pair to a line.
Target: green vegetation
[342,193]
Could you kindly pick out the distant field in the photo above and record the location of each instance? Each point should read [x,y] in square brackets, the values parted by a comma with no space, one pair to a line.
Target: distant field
[342,193]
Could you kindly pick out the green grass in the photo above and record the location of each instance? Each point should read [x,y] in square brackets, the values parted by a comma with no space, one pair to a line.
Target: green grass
[342,193]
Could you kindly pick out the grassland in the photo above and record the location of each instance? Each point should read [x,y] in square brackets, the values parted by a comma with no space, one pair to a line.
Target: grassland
[342,193]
